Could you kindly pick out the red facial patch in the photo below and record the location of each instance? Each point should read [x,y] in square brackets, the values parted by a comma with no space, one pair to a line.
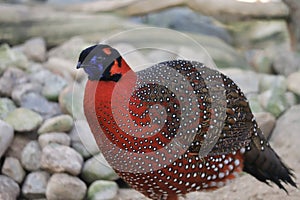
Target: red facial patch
[115,69]
[107,51]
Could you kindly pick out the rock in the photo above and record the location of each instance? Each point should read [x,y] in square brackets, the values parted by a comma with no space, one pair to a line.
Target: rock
[31,156]
[9,189]
[97,168]
[81,149]
[274,101]
[254,103]
[59,138]
[40,104]
[266,121]
[81,133]
[52,89]
[71,100]
[61,123]
[5,56]
[285,62]
[102,190]
[162,55]
[11,77]
[69,50]
[35,184]
[60,158]
[21,90]
[6,136]
[10,57]
[259,60]
[286,132]
[267,82]
[130,194]
[293,83]
[24,120]
[187,53]
[291,98]
[20,140]
[184,19]
[34,68]
[35,49]
[64,186]
[52,83]
[171,41]
[64,68]
[247,80]
[260,34]
[6,106]
[12,168]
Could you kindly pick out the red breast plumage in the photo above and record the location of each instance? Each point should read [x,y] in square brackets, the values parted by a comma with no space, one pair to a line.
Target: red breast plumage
[175,127]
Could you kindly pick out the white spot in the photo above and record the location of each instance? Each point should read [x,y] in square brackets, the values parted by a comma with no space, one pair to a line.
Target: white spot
[236,162]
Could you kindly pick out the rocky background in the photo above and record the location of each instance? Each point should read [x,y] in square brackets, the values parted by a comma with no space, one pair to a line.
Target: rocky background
[46,148]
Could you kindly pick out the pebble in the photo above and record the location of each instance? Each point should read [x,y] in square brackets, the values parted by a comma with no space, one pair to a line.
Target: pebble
[274,101]
[11,57]
[293,83]
[21,90]
[40,104]
[267,82]
[64,68]
[242,78]
[24,120]
[266,121]
[259,60]
[286,132]
[291,98]
[52,83]
[35,184]
[64,186]
[11,77]
[9,189]
[254,103]
[69,50]
[130,194]
[81,133]
[13,168]
[6,136]
[81,149]
[102,190]
[35,49]
[285,62]
[59,158]
[15,149]
[97,168]
[59,138]
[71,100]
[31,156]
[61,123]
[186,20]
[6,106]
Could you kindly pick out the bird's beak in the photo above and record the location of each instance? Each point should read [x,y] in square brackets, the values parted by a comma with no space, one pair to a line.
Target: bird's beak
[78,65]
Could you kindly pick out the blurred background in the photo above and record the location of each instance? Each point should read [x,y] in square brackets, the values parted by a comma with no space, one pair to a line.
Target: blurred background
[45,143]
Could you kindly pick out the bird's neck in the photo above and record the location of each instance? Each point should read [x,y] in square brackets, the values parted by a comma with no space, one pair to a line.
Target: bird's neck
[102,98]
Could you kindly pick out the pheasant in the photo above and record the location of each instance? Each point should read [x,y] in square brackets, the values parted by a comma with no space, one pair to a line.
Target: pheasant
[175,127]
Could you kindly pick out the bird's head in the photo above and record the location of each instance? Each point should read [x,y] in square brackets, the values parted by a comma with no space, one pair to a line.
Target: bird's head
[102,62]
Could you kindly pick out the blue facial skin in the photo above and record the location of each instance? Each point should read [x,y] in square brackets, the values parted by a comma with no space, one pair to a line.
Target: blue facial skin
[94,69]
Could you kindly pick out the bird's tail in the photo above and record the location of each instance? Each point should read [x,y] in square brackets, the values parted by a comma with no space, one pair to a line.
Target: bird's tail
[262,162]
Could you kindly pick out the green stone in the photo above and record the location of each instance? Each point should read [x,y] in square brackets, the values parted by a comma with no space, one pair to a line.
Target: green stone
[24,120]
[101,189]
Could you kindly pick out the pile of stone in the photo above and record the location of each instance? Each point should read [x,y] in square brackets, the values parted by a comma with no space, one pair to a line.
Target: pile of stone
[47,150]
